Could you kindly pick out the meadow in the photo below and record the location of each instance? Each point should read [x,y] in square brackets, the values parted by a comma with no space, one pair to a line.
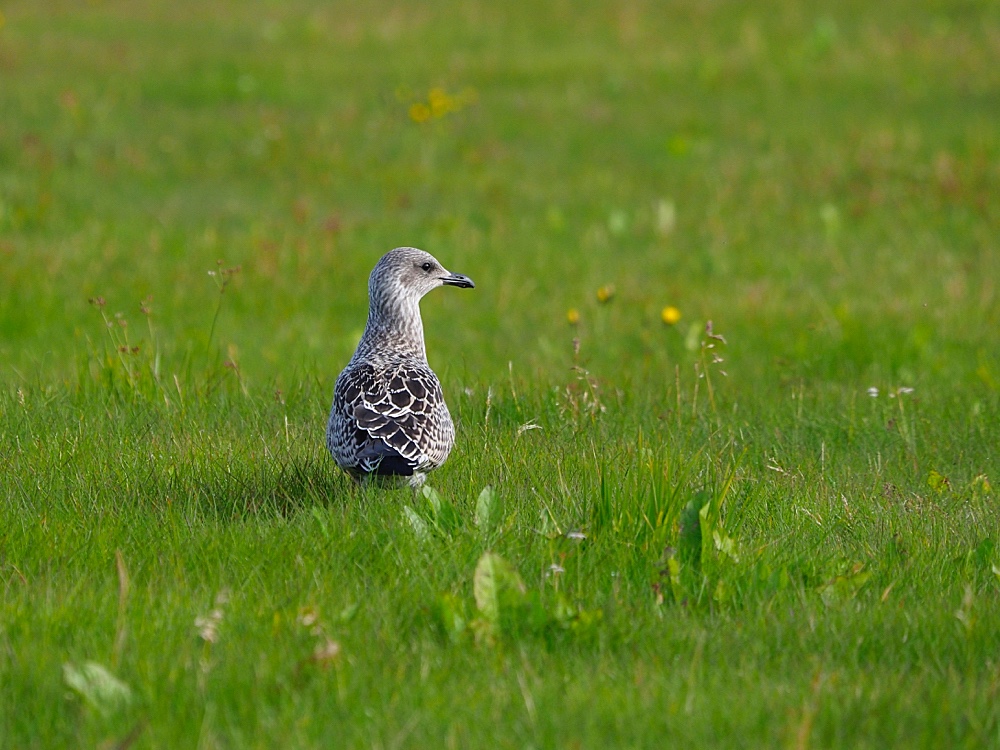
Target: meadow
[727,390]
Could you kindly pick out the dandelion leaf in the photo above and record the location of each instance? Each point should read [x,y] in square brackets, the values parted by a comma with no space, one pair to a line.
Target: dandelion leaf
[418,524]
[486,509]
[98,688]
[496,587]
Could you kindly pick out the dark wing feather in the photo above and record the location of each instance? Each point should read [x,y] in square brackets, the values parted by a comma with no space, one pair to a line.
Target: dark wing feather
[386,414]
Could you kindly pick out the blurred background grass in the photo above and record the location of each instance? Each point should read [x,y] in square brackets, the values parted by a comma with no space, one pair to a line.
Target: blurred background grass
[819,179]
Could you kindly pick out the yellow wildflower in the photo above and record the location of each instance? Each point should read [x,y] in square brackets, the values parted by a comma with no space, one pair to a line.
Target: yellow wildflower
[573,316]
[670,315]
[605,293]
[420,112]
[441,103]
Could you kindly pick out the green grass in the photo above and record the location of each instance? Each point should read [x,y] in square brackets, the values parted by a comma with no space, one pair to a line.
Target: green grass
[818,180]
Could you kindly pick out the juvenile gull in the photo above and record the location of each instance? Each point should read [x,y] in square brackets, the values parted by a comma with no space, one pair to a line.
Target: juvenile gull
[389,419]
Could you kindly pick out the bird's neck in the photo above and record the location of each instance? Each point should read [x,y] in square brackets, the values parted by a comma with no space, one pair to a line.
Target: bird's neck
[395,327]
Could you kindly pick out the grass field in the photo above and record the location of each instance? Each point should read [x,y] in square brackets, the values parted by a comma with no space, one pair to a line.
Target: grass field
[634,544]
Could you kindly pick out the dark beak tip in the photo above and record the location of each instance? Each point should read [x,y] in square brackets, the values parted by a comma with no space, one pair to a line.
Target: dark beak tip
[459,280]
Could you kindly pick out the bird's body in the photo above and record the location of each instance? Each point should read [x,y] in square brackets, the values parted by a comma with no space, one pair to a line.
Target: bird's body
[389,419]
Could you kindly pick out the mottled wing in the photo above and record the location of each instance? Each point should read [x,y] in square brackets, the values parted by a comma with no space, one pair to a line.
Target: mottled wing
[393,420]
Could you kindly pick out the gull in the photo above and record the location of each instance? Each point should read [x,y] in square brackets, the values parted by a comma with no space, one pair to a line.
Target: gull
[389,422]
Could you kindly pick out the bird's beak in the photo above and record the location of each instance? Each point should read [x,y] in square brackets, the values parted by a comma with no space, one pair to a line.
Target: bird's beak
[459,280]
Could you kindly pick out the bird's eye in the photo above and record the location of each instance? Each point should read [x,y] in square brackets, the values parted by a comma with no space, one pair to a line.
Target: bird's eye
[427,266]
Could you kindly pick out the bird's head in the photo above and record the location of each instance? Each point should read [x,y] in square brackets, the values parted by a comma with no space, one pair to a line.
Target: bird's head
[408,274]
